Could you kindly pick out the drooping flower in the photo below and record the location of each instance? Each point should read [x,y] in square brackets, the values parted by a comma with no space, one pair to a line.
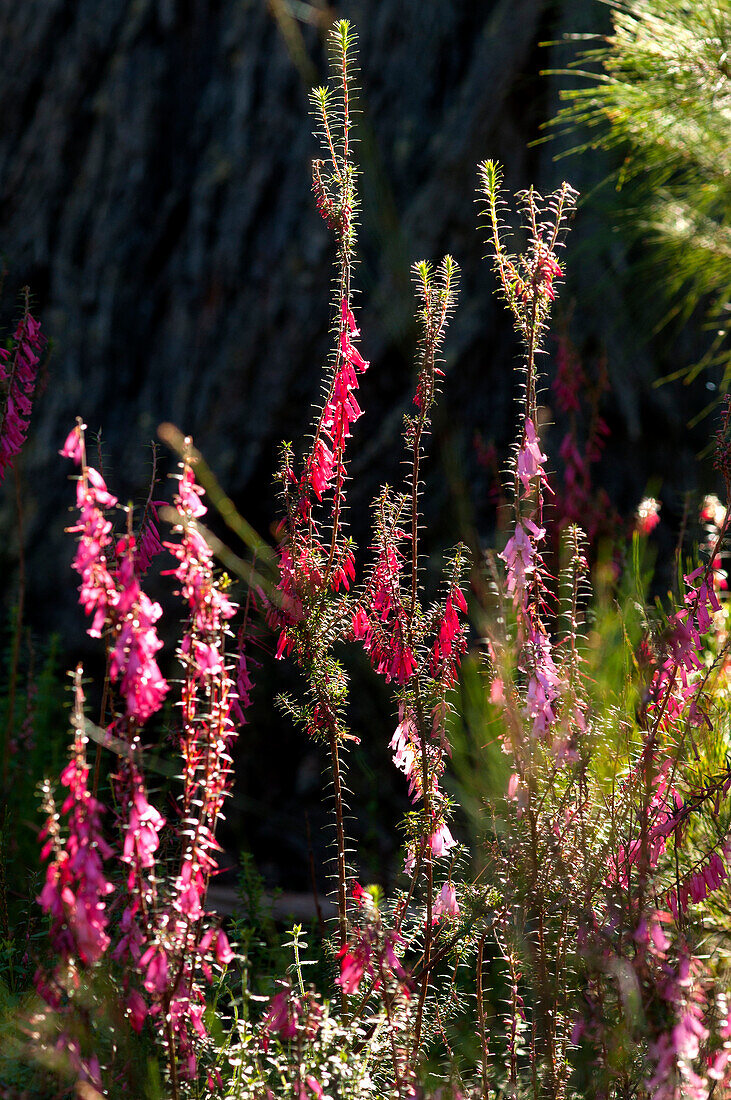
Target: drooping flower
[446,904]
[73,447]
[144,824]
[150,543]
[546,268]
[133,663]
[441,841]
[244,683]
[530,459]
[450,643]
[520,556]
[285,1010]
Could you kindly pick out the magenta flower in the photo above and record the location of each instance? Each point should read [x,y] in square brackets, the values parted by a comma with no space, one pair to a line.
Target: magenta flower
[341,409]
[18,373]
[136,1009]
[355,961]
[283,1015]
[224,954]
[244,683]
[73,447]
[450,643]
[150,543]
[157,974]
[75,885]
[144,824]
[133,661]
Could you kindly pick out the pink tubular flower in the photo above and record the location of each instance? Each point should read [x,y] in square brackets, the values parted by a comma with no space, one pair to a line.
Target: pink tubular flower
[450,644]
[355,960]
[224,954]
[283,1015]
[244,683]
[344,573]
[144,824]
[18,373]
[441,841]
[157,972]
[530,457]
[73,448]
[136,1009]
[372,951]
[98,590]
[150,543]
[446,904]
[322,468]
[544,682]
[407,753]
[520,554]
[133,661]
[546,269]
[381,624]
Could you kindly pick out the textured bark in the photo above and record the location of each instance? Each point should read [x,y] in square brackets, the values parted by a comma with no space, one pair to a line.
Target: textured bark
[154,192]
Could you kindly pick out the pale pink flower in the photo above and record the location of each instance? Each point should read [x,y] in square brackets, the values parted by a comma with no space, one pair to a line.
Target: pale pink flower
[446,904]
[530,457]
[519,555]
[441,841]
